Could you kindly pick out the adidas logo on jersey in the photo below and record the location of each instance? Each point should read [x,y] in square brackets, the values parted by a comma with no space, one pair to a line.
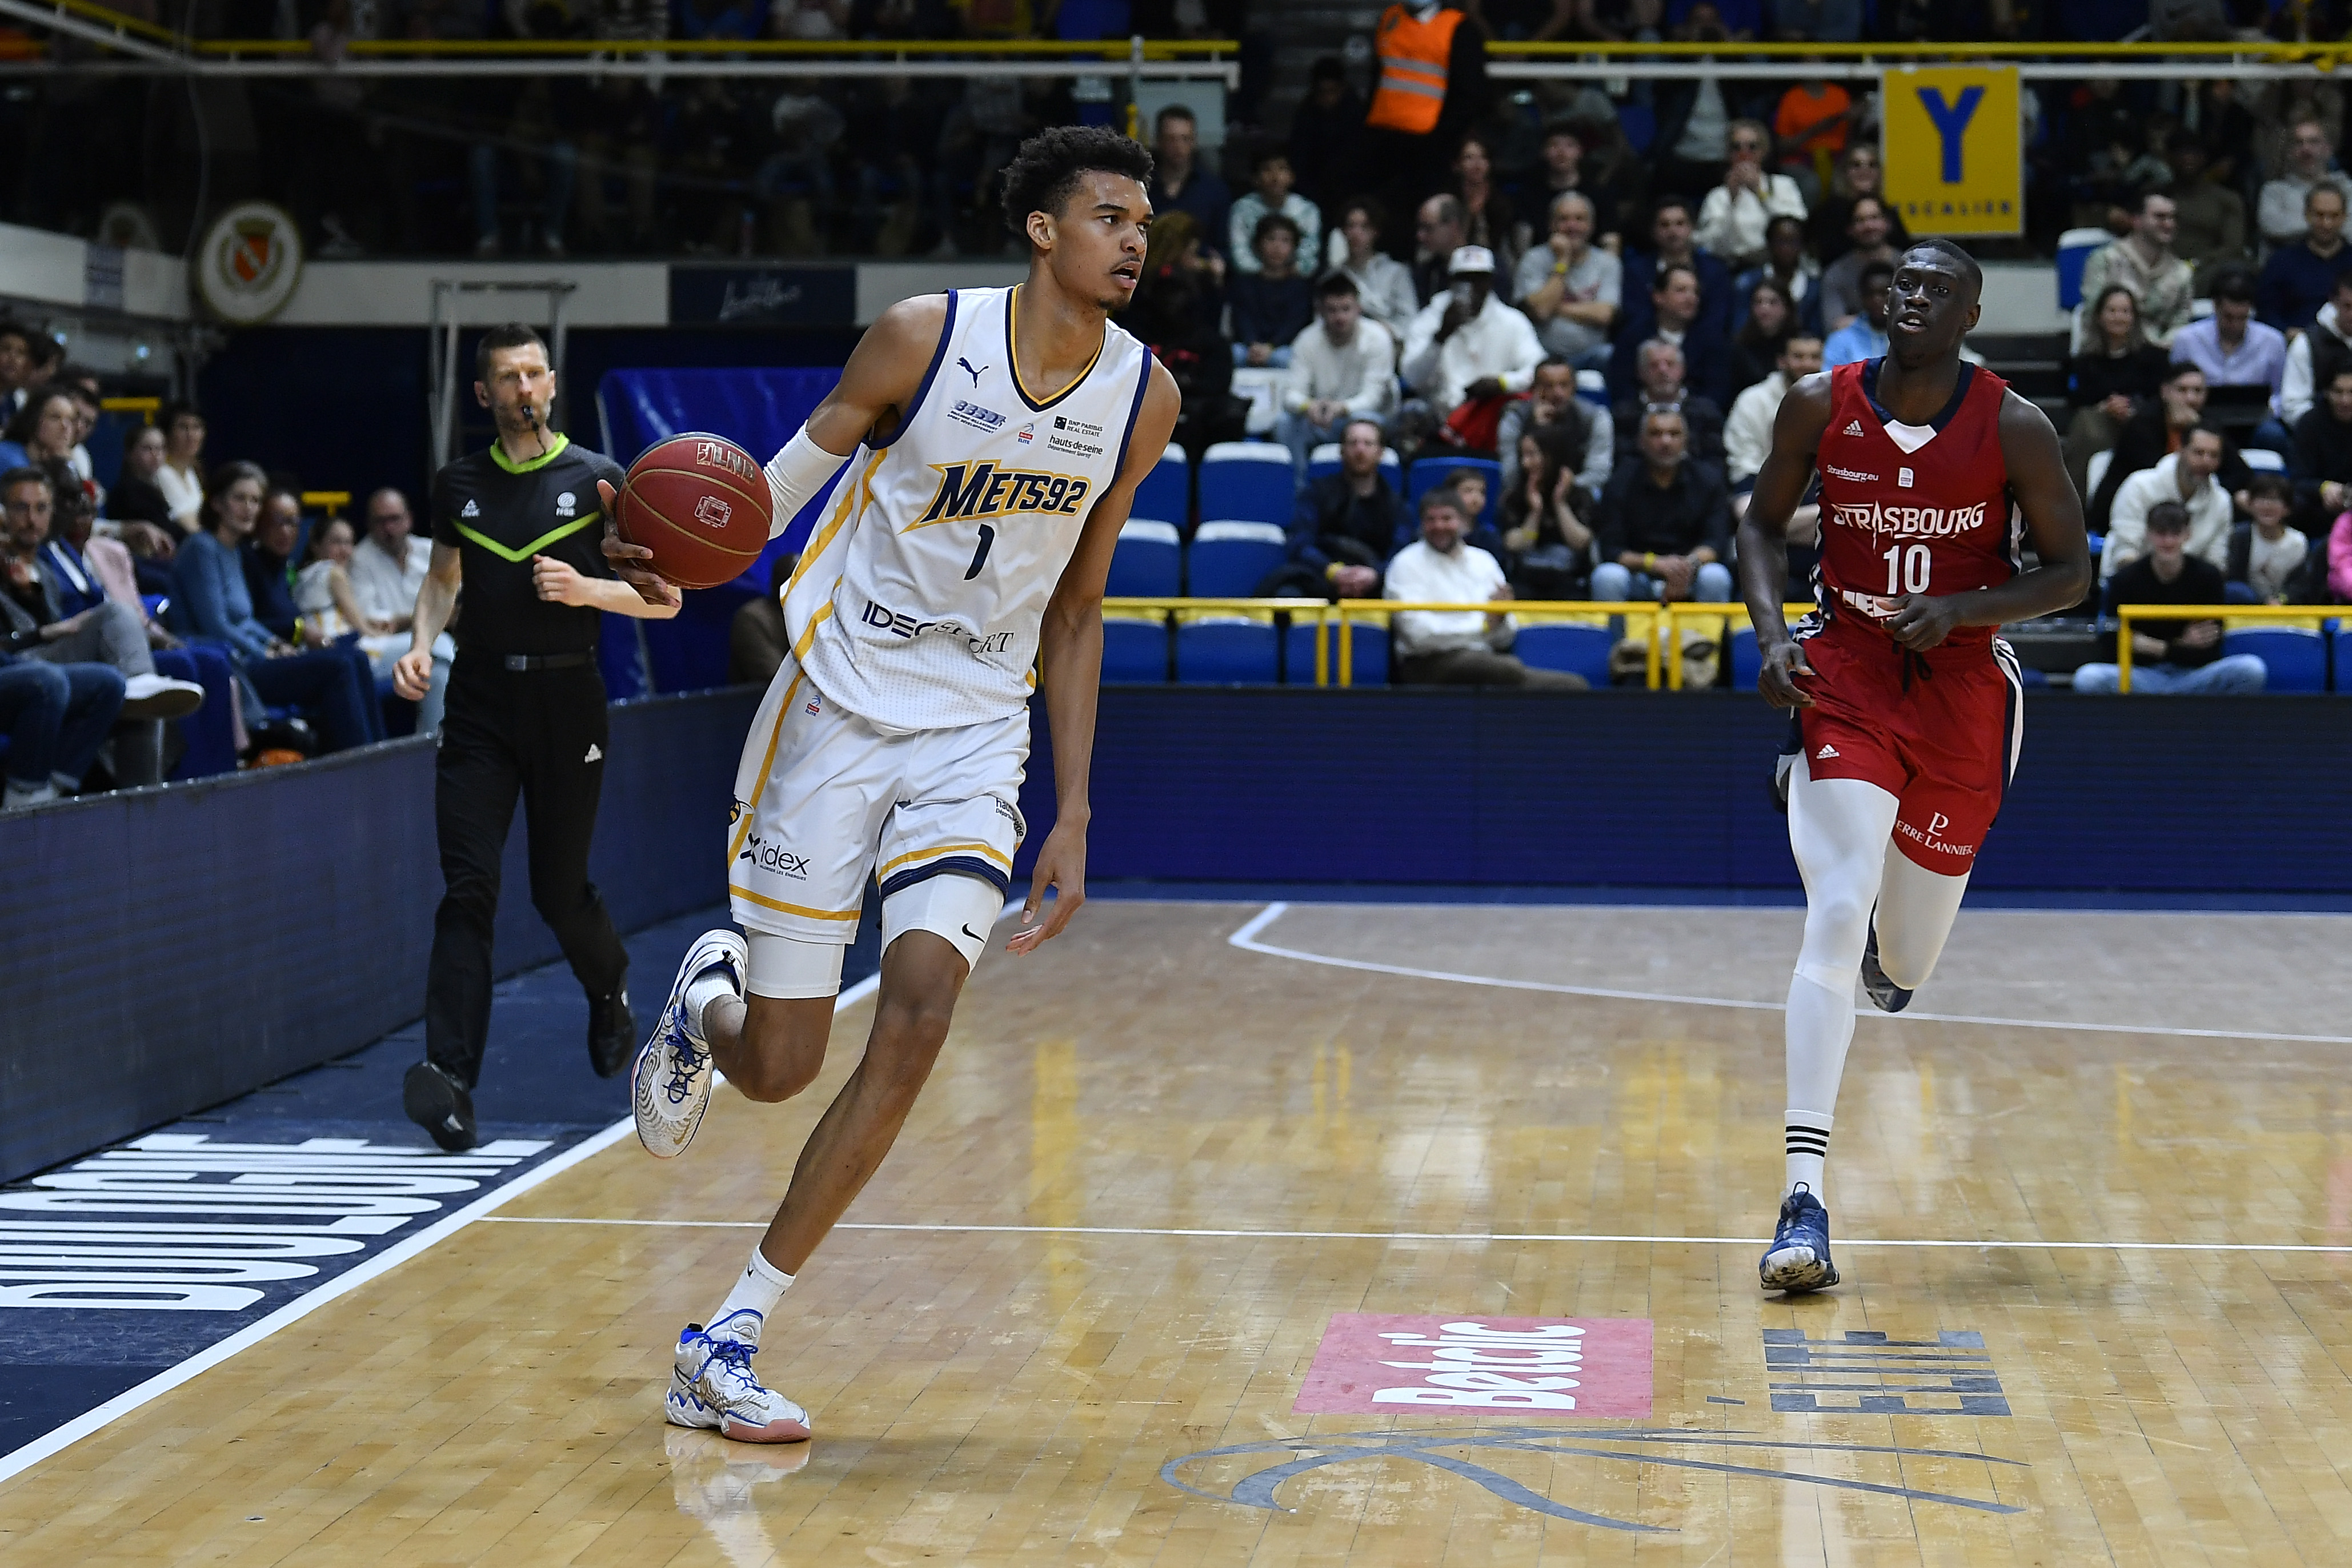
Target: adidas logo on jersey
[471,510]
[1854,427]
[1825,754]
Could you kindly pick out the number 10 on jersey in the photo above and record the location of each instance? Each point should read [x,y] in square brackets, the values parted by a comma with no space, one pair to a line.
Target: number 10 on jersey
[1907,569]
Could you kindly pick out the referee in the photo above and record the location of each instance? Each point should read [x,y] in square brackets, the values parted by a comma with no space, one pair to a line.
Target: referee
[516,526]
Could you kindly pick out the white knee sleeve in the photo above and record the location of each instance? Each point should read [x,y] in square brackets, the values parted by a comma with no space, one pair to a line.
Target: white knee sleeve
[795,474]
[785,968]
[961,910]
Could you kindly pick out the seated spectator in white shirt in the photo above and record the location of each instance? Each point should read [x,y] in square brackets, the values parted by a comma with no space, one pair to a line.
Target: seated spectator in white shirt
[1551,400]
[2265,555]
[1271,193]
[2279,211]
[388,572]
[1569,288]
[1456,647]
[1466,344]
[1383,284]
[1732,219]
[331,610]
[1342,368]
[2185,478]
[1748,430]
[182,477]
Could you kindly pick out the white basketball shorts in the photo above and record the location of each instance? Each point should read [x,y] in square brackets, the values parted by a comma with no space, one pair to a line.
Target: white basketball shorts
[824,800]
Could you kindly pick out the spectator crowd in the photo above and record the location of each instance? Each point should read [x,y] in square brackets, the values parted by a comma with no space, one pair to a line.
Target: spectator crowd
[185,620]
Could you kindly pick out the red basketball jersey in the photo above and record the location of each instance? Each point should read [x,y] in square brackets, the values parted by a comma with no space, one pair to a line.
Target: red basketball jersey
[1909,508]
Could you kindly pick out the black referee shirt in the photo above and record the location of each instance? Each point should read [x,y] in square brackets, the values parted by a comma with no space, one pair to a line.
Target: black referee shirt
[498,515]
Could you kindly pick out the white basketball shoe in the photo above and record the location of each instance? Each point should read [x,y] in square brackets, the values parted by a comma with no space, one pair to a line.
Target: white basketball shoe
[711,1386]
[670,1085]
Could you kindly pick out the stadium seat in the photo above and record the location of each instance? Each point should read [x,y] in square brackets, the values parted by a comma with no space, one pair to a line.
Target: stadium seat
[1325,459]
[1166,492]
[1135,650]
[1148,562]
[1368,642]
[1747,663]
[1226,651]
[1228,559]
[1593,386]
[2296,656]
[2343,641]
[2262,460]
[1250,481]
[1553,645]
[1429,473]
[2074,248]
[2096,474]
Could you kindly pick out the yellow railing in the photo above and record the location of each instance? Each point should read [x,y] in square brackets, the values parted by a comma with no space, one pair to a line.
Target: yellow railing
[2316,616]
[1658,620]
[2324,55]
[146,407]
[331,502]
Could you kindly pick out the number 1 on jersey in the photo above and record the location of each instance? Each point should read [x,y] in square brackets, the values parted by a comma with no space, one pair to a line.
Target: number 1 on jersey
[980,556]
[1907,570]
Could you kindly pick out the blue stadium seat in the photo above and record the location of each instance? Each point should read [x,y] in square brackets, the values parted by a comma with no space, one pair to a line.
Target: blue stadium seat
[1227,559]
[1135,650]
[1428,473]
[2343,641]
[2074,248]
[1747,663]
[1166,492]
[1368,643]
[1325,459]
[1593,386]
[1250,481]
[1553,645]
[1224,652]
[2296,656]
[1148,562]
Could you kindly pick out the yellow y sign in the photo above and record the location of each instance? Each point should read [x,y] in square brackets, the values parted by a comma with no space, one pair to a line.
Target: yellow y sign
[1953,162]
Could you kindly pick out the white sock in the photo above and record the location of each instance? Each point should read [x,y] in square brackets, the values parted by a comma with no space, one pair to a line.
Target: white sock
[757,1290]
[705,989]
[1819,1029]
[1809,1150]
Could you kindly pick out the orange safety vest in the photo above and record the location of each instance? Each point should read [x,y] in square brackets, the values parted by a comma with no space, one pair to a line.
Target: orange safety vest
[1414,57]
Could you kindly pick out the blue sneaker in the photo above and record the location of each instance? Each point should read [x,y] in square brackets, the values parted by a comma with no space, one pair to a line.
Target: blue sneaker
[1797,1262]
[669,1087]
[1884,993]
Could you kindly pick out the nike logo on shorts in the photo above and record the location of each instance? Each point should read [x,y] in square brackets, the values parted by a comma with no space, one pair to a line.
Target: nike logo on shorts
[974,935]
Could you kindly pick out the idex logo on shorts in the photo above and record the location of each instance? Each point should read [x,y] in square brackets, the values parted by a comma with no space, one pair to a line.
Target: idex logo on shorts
[774,858]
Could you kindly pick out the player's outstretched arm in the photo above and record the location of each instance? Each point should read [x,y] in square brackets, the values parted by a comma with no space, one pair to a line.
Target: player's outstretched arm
[1763,548]
[1070,657]
[876,389]
[2054,520]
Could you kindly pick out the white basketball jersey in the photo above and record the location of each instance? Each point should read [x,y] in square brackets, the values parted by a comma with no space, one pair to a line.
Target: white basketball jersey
[920,596]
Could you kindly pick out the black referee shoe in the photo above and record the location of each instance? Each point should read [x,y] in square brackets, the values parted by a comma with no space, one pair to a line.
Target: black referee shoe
[612,1032]
[437,1103]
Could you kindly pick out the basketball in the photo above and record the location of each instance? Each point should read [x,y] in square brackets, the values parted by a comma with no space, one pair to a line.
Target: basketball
[700,504]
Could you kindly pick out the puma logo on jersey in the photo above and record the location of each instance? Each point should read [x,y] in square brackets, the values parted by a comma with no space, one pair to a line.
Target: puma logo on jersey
[974,490]
[1854,427]
[1825,754]
[965,366]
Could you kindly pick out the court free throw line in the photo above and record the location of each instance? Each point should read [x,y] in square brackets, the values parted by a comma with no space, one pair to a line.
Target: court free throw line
[1472,1237]
[1247,939]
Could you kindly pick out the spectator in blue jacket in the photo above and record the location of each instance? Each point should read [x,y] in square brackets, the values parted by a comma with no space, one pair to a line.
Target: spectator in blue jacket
[211,603]
[1676,316]
[2298,277]
[1672,241]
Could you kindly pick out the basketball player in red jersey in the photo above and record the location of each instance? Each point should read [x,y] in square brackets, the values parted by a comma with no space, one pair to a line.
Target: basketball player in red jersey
[1907,706]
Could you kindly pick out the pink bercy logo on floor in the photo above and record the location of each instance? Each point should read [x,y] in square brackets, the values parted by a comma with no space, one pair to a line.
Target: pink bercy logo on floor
[1373,1363]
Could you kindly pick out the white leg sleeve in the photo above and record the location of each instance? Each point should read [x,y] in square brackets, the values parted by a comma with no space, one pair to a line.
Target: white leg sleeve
[960,909]
[786,968]
[1839,829]
[1915,909]
[795,474]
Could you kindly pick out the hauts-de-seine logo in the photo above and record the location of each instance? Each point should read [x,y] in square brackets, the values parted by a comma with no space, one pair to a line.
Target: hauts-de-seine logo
[249,262]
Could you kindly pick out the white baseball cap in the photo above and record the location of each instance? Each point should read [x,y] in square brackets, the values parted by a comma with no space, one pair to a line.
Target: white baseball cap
[1471,259]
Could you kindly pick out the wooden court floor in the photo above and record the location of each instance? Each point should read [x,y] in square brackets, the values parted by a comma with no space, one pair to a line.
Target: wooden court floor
[1077,1307]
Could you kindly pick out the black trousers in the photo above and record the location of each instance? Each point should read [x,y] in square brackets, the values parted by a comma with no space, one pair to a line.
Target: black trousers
[539,733]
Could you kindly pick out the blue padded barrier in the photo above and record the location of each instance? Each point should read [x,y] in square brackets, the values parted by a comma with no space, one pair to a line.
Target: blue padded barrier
[1580,650]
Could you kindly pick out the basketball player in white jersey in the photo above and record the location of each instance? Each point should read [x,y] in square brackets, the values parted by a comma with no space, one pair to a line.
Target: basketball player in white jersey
[993,439]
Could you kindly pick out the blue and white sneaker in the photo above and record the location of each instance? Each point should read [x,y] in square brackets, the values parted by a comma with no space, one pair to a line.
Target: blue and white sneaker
[711,1386]
[670,1085]
[1884,993]
[1799,1259]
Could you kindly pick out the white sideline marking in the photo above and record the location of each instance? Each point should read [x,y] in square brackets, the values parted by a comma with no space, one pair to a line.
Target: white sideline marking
[1247,939]
[1474,1237]
[302,1306]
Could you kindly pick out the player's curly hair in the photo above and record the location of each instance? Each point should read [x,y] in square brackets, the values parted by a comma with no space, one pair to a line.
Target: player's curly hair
[1044,173]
